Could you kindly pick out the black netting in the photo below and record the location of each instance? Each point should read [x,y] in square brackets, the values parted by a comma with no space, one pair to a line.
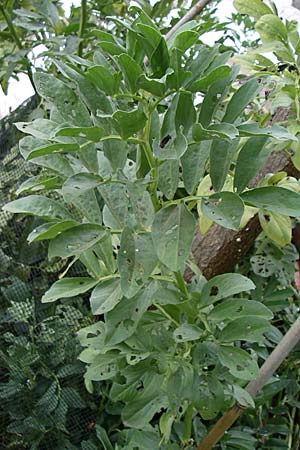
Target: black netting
[43,401]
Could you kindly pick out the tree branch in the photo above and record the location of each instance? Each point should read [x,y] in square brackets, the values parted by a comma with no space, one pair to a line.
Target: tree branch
[190,15]
[280,352]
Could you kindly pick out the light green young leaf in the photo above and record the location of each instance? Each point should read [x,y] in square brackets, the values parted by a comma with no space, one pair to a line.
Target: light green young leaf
[252,156]
[224,208]
[172,233]
[40,206]
[223,286]
[254,8]
[275,199]
[277,227]
[68,287]
[76,240]
[271,28]
[239,362]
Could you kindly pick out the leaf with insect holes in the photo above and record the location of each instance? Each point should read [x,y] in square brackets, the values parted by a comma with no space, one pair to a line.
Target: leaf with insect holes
[172,233]
[222,286]
[224,208]
[239,362]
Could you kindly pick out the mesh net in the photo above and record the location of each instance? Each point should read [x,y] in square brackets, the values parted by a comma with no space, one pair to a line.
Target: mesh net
[43,401]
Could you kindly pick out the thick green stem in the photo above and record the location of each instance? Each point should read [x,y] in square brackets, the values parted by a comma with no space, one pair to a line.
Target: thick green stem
[188,420]
[181,284]
[83,20]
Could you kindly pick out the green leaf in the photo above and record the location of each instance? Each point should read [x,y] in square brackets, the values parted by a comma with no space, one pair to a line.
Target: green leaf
[224,208]
[141,204]
[64,98]
[193,164]
[50,230]
[240,99]
[276,131]
[157,50]
[105,296]
[140,410]
[275,199]
[91,133]
[116,200]
[104,79]
[239,362]
[223,286]
[209,397]
[172,233]
[215,94]
[50,148]
[216,131]
[39,183]
[168,177]
[68,287]
[243,397]
[234,308]
[174,148]
[252,156]
[79,184]
[221,156]
[249,328]
[214,75]
[102,436]
[184,37]
[277,227]
[136,261]
[254,8]
[187,332]
[131,71]
[39,128]
[76,240]
[129,122]
[40,206]
[271,28]
[185,115]
[155,87]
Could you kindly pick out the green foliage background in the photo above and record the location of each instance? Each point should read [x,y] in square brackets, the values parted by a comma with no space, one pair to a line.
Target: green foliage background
[124,160]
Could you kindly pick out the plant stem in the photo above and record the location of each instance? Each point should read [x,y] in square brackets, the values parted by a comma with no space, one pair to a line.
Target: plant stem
[181,284]
[190,15]
[167,315]
[280,352]
[16,38]
[83,19]
[188,420]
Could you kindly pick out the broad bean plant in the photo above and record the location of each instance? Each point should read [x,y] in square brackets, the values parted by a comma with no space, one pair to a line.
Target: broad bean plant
[143,141]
